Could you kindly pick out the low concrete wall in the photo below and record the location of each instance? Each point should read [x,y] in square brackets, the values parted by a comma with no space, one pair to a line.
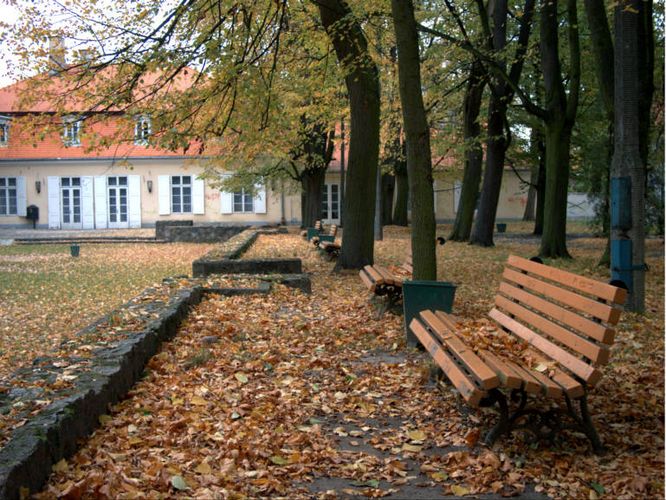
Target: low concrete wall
[26,460]
[162,225]
[201,234]
[202,267]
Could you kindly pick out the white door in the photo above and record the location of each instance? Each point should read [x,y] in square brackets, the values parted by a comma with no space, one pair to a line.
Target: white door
[116,187]
[70,203]
[330,210]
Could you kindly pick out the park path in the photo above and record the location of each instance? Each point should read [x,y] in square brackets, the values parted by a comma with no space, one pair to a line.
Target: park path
[303,396]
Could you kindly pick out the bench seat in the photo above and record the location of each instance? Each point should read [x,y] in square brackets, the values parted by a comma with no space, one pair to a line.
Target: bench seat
[564,326]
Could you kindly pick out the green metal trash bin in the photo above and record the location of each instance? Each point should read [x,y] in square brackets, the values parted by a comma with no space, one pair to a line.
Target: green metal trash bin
[75,250]
[420,295]
[312,232]
[501,227]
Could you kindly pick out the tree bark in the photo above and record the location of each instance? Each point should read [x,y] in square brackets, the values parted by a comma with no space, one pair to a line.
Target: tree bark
[502,92]
[417,135]
[560,118]
[541,187]
[362,82]
[462,227]
[312,183]
[379,227]
[388,188]
[401,194]
[627,167]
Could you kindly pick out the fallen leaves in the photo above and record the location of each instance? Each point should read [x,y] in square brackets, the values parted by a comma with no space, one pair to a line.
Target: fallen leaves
[279,408]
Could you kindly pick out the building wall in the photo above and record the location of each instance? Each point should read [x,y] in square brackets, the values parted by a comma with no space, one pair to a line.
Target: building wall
[147,170]
[513,195]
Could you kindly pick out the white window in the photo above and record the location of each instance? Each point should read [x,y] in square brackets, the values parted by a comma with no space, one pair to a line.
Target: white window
[4,131]
[8,196]
[243,201]
[142,129]
[71,134]
[181,194]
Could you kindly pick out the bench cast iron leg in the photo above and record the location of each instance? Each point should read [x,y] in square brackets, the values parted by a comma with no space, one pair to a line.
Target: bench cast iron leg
[502,425]
[588,427]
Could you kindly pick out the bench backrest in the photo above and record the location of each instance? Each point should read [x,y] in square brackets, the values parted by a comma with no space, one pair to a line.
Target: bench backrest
[334,230]
[567,317]
[317,225]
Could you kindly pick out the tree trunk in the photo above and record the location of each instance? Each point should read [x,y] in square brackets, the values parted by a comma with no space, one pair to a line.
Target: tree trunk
[379,227]
[417,134]
[401,196]
[462,227]
[541,189]
[388,188]
[628,217]
[554,237]
[482,233]
[362,82]
[559,121]
[501,95]
[535,153]
[312,183]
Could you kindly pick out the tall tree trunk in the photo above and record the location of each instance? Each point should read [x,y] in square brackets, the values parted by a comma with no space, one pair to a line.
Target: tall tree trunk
[417,134]
[388,188]
[379,227]
[482,233]
[560,118]
[541,188]
[312,183]
[502,92]
[530,206]
[362,81]
[628,170]
[462,227]
[401,194]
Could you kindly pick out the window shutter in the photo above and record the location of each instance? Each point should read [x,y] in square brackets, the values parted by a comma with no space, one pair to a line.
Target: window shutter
[87,203]
[53,186]
[164,194]
[134,200]
[198,198]
[226,201]
[101,212]
[21,197]
[260,199]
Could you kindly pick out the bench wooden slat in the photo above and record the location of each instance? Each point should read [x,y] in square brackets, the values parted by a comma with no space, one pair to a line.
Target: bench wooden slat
[486,376]
[372,272]
[597,353]
[582,324]
[387,276]
[599,310]
[460,380]
[570,385]
[579,367]
[572,280]
[529,383]
[447,319]
[551,389]
[505,373]
[365,277]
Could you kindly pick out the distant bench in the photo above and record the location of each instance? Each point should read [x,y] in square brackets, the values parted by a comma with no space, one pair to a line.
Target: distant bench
[567,323]
[383,282]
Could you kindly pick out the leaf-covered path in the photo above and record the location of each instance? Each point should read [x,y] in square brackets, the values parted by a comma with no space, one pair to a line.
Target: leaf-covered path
[312,396]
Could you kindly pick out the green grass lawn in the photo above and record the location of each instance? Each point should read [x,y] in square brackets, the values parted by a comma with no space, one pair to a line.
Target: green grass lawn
[46,295]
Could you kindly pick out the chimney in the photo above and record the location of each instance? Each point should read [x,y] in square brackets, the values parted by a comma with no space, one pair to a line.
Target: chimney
[56,55]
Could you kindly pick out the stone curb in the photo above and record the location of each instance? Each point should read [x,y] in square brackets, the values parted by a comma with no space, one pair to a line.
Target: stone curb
[27,459]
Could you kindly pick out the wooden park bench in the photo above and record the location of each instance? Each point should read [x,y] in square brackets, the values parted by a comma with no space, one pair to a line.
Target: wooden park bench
[565,324]
[329,236]
[331,248]
[384,283]
[318,228]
